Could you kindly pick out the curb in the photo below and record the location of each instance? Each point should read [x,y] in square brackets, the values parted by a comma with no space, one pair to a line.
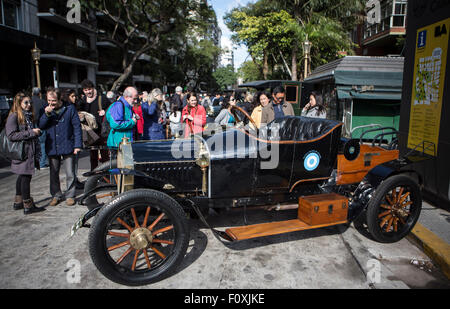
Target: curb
[433,246]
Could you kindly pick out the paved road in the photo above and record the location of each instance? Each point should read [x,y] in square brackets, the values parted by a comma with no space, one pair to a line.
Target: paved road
[37,252]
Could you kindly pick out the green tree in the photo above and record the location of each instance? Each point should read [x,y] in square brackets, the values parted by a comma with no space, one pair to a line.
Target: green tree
[323,22]
[225,77]
[154,27]
[249,71]
[263,35]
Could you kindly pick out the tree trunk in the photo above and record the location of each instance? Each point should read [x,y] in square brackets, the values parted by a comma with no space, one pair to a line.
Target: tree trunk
[294,74]
[266,65]
[128,69]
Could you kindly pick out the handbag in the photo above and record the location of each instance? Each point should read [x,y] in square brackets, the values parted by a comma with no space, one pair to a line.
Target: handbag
[12,150]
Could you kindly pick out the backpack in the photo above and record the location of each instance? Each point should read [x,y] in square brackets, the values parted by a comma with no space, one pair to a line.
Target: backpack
[106,127]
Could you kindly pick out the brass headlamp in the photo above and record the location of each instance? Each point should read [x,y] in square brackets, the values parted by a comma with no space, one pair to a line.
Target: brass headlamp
[203,161]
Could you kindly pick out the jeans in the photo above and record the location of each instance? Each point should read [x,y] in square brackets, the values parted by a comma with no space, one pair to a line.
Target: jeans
[69,162]
[44,159]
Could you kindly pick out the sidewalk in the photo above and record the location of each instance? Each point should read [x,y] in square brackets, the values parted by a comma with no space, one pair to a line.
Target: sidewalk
[432,233]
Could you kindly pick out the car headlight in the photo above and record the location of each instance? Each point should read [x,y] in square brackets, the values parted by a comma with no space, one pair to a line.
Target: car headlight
[125,157]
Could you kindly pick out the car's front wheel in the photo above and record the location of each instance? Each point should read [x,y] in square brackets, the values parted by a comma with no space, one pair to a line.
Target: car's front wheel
[139,238]
[394,209]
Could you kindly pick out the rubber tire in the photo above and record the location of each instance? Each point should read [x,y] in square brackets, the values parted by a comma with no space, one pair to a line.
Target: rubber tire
[91,183]
[97,248]
[373,208]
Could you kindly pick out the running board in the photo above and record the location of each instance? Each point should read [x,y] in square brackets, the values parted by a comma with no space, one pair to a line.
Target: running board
[273,228]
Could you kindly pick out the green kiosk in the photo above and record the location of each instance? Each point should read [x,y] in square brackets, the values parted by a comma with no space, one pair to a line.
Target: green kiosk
[363,92]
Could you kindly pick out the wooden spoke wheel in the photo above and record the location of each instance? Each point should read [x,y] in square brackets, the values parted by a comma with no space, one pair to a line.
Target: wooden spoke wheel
[394,209]
[139,238]
[93,182]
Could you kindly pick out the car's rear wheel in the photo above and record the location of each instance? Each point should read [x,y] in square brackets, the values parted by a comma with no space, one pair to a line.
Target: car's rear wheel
[139,238]
[394,209]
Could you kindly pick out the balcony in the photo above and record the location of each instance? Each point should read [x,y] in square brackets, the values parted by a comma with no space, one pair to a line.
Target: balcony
[391,20]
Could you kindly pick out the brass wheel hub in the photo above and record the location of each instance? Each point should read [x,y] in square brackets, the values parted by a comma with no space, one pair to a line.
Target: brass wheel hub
[141,238]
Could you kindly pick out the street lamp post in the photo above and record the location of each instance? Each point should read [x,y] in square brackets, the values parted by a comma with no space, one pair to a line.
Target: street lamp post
[36,55]
[307,53]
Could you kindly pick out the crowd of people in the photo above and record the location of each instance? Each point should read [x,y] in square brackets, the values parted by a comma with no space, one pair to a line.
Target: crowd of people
[56,129]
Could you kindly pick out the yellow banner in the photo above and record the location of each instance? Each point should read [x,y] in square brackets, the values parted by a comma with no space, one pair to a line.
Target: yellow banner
[428,86]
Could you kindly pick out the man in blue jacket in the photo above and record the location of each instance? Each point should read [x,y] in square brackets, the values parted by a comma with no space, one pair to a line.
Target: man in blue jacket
[63,143]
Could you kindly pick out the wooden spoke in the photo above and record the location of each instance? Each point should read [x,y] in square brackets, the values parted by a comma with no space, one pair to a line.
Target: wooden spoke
[123,235]
[129,228]
[123,244]
[124,255]
[400,194]
[133,267]
[136,223]
[156,221]
[402,221]
[147,260]
[160,231]
[161,255]
[407,204]
[404,197]
[386,219]
[146,217]
[105,195]
[386,206]
[384,214]
[395,224]
[161,241]
[389,200]
[106,179]
[389,224]
[394,195]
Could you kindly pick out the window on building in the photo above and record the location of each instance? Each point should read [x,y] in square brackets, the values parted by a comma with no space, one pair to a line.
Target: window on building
[399,13]
[291,94]
[10,13]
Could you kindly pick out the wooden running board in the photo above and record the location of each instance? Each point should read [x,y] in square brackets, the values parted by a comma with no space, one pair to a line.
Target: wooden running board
[272,228]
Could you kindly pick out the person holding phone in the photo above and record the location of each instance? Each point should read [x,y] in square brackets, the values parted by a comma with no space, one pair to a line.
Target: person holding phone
[20,126]
[315,108]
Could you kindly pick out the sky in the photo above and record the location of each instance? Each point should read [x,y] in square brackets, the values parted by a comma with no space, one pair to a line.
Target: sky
[221,7]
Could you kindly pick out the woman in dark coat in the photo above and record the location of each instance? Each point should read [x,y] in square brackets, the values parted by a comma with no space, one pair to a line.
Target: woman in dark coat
[20,127]
[154,116]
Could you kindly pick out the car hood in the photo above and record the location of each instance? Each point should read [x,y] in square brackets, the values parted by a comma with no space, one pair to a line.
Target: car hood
[167,151]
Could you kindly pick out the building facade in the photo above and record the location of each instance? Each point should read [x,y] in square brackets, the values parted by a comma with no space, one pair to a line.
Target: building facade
[384,29]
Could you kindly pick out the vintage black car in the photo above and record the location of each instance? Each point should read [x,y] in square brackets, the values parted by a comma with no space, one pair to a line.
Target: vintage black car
[141,235]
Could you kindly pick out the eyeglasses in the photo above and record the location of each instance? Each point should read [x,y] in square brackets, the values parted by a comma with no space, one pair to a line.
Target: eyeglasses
[26,102]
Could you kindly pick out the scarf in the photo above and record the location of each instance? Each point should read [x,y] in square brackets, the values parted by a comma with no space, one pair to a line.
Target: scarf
[28,119]
[36,145]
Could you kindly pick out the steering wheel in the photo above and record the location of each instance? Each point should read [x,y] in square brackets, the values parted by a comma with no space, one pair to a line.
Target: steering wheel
[248,116]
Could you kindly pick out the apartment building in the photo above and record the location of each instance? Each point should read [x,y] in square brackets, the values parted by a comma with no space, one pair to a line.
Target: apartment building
[383,31]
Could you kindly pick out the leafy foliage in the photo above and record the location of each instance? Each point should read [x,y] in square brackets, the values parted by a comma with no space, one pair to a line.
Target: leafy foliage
[225,77]
[165,30]
[274,30]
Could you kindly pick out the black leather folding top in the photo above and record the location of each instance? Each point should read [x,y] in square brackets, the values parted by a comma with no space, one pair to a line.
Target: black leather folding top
[296,128]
